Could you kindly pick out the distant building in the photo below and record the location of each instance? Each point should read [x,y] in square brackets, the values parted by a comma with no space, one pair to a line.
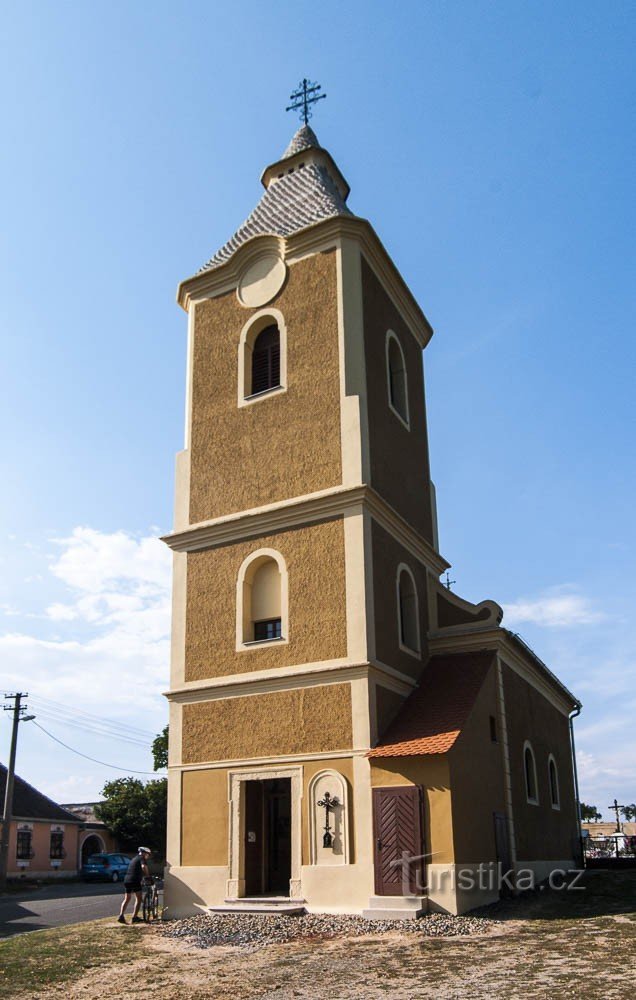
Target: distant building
[94,835]
[43,837]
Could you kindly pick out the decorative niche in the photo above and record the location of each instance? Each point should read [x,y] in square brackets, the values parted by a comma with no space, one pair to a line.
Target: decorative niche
[333,783]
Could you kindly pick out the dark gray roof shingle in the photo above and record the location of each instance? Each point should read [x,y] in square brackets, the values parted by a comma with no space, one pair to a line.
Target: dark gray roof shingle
[28,803]
[306,195]
[294,202]
[305,138]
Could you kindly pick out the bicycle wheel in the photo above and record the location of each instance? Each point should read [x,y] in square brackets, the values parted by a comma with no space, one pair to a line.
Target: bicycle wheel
[155,905]
[146,907]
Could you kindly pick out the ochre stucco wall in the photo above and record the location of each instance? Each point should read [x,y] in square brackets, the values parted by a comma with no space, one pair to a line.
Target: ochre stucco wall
[283,446]
[303,720]
[314,557]
[204,823]
[387,556]
[477,775]
[399,457]
[431,773]
[541,832]
[387,705]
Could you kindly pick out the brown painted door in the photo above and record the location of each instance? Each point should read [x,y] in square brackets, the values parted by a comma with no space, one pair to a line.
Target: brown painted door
[397,828]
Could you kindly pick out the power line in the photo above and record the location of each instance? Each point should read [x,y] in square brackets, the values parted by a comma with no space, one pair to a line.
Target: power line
[88,727]
[128,770]
[60,706]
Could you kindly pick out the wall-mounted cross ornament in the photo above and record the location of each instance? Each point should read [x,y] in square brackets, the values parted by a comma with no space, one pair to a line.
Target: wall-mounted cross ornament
[328,804]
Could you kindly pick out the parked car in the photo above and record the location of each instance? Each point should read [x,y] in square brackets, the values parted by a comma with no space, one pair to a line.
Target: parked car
[111,867]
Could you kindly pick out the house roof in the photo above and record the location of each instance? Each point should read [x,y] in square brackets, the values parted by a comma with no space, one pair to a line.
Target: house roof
[433,716]
[292,201]
[28,803]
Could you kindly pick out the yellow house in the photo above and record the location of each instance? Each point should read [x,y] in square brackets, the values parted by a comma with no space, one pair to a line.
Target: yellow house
[346,734]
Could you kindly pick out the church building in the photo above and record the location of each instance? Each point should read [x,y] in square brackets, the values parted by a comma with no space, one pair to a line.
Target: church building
[346,733]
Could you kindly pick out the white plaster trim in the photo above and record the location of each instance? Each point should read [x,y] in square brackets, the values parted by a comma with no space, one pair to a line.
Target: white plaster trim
[305,510]
[313,239]
[354,422]
[255,324]
[235,762]
[555,805]
[189,371]
[404,420]
[355,591]
[243,645]
[503,726]
[236,797]
[284,678]
[416,653]
[341,790]
[532,800]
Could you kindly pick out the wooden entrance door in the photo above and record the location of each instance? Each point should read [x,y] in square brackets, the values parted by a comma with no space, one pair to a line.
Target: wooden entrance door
[397,828]
[267,836]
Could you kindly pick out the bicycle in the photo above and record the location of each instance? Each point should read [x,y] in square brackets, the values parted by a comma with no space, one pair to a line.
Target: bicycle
[150,900]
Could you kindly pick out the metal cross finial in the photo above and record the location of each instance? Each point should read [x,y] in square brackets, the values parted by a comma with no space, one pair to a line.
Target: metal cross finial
[448,582]
[302,98]
[616,808]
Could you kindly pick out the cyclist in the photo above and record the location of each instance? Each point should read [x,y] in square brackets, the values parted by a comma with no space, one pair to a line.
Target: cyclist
[137,869]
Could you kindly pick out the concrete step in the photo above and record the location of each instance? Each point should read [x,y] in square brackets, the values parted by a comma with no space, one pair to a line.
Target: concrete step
[280,906]
[395,908]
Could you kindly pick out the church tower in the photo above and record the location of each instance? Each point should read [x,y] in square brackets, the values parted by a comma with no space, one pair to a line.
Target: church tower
[327,693]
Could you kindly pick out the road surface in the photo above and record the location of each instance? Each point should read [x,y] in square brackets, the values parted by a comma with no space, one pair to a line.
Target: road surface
[55,905]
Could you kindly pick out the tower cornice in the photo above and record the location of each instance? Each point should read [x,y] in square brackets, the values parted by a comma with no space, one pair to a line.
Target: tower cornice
[305,510]
[313,239]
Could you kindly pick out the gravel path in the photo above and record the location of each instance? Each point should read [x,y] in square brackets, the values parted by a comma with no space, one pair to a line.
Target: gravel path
[254,931]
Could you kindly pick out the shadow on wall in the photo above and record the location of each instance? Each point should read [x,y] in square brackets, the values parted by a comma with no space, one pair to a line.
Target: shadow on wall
[183,900]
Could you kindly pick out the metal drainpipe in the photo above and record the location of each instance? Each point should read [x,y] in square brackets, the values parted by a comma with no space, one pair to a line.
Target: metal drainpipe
[573,715]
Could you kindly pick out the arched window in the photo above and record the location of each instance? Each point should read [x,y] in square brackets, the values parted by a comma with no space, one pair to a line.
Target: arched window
[553,780]
[266,361]
[262,357]
[530,773]
[261,599]
[408,611]
[396,378]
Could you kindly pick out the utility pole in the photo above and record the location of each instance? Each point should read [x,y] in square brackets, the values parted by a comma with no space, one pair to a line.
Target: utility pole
[17,708]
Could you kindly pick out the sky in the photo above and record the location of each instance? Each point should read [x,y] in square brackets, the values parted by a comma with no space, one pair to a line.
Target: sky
[492,147]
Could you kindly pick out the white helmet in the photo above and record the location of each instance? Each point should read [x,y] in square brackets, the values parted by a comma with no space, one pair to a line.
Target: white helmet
[144,850]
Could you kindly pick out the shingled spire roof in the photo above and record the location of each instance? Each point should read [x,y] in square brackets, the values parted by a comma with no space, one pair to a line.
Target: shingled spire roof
[300,191]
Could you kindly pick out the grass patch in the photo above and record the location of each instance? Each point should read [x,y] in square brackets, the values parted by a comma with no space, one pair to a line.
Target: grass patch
[38,959]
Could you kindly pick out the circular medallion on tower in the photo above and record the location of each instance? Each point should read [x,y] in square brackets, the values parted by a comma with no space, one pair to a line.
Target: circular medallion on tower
[261,280]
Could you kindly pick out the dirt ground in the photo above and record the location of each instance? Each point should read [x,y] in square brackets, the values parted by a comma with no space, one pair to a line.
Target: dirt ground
[554,945]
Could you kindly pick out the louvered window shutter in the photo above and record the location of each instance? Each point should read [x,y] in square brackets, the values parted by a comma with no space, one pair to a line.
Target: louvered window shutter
[266,361]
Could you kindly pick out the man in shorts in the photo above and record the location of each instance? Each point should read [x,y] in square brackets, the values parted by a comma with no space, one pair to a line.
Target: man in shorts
[137,870]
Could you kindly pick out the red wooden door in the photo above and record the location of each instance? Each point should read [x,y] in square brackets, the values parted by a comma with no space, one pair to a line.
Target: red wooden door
[397,828]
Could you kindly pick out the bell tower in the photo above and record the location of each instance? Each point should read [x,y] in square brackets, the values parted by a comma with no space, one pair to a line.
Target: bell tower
[306,562]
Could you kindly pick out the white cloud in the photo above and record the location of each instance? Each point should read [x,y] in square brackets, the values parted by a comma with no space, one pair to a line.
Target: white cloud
[114,620]
[557,607]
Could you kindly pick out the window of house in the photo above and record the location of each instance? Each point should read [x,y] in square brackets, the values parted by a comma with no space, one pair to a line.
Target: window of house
[23,847]
[57,844]
[266,361]
[408,614]
[530,773]
[262,359]
[553,776]
[396,378]
[262,599]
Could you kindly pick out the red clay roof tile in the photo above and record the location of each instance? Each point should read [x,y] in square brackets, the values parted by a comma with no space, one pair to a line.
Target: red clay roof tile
[432,718]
